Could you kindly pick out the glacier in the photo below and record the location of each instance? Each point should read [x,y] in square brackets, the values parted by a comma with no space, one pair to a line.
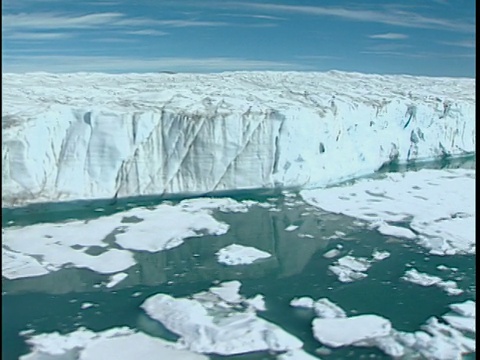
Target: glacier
[92,135]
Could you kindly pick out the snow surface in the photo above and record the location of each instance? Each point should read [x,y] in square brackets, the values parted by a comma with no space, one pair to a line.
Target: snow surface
[235,254]
[439,205]
[42,248]
[85,135]
[215,322]
[116,343]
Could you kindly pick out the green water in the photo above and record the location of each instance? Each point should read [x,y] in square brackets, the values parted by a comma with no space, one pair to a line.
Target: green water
[297,268]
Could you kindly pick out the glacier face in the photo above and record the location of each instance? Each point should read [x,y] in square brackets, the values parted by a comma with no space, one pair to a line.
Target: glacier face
[84,135]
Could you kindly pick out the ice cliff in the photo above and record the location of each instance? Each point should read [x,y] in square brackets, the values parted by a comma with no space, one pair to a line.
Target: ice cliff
[84,135]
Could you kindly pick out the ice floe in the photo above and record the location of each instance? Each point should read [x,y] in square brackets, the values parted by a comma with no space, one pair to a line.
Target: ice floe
[291,228]
[423,279]
[235,254]
[17,265]
[435,207]
[466,308]
[304,301]
[326,309]
[215,322]
[331,253]
[116,343]
[336,332]
[435,340]
[380,255]
[298,354]
[349,268]
[38,249]
[323,307]
[115,279]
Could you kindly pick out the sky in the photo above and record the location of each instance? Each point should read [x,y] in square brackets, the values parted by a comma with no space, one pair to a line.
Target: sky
[421,38]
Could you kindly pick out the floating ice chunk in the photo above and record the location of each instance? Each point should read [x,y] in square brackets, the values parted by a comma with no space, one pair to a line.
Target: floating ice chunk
[240,255]
[291,228]
[466,308]
[65,243]
[17,265]
[331,253]
[450,287]
[397,231]
[217,330]
[349,269]
[445,336]
[220,204]
[156,233]
[298,354]
[346,274]
[116,343]
[424,279]
[304,301]
[257,302]
[324,308]
[388,344]
[460,322]
[115,279]
[380,255]
[306,236]
[54,244]
[347,331]
[228,291]
[356,264]
[416,277]
[448,228]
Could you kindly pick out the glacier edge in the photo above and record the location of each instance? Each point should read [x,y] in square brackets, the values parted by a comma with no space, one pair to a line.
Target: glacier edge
[256,135]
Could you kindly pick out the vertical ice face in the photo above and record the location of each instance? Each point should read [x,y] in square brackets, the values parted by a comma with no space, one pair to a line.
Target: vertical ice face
[119,135]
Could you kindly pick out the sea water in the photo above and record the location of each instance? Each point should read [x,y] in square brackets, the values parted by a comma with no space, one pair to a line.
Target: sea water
[72,297]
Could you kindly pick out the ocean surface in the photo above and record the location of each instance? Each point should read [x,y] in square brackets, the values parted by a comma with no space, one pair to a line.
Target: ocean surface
[297,267]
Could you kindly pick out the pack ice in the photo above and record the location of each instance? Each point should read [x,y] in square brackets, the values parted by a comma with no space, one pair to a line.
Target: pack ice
[86,135]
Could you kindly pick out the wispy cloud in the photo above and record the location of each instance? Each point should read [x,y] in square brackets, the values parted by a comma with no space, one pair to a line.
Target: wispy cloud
[461,43]
[388,16]
[389,36]
[252,16]
[47,21]
[418,54]
[57,21]
[65,63]
[317,57]
[36,36]
[147,32]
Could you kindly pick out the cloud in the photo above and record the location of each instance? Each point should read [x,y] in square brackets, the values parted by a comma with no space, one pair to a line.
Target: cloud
[48,21]
[36,36]
[389,36]
[461,43]
[66,63]
[417,54]
[57,21]
[253,16]
[388,16]
[316,57]
[148,32]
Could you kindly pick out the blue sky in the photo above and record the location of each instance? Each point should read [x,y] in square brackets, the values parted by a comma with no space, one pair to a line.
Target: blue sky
[428,37]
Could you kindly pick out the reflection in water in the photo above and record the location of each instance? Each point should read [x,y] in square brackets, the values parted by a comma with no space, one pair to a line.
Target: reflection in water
[195,260]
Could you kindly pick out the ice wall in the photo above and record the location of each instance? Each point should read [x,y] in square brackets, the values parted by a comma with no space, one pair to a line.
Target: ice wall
[83,135]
